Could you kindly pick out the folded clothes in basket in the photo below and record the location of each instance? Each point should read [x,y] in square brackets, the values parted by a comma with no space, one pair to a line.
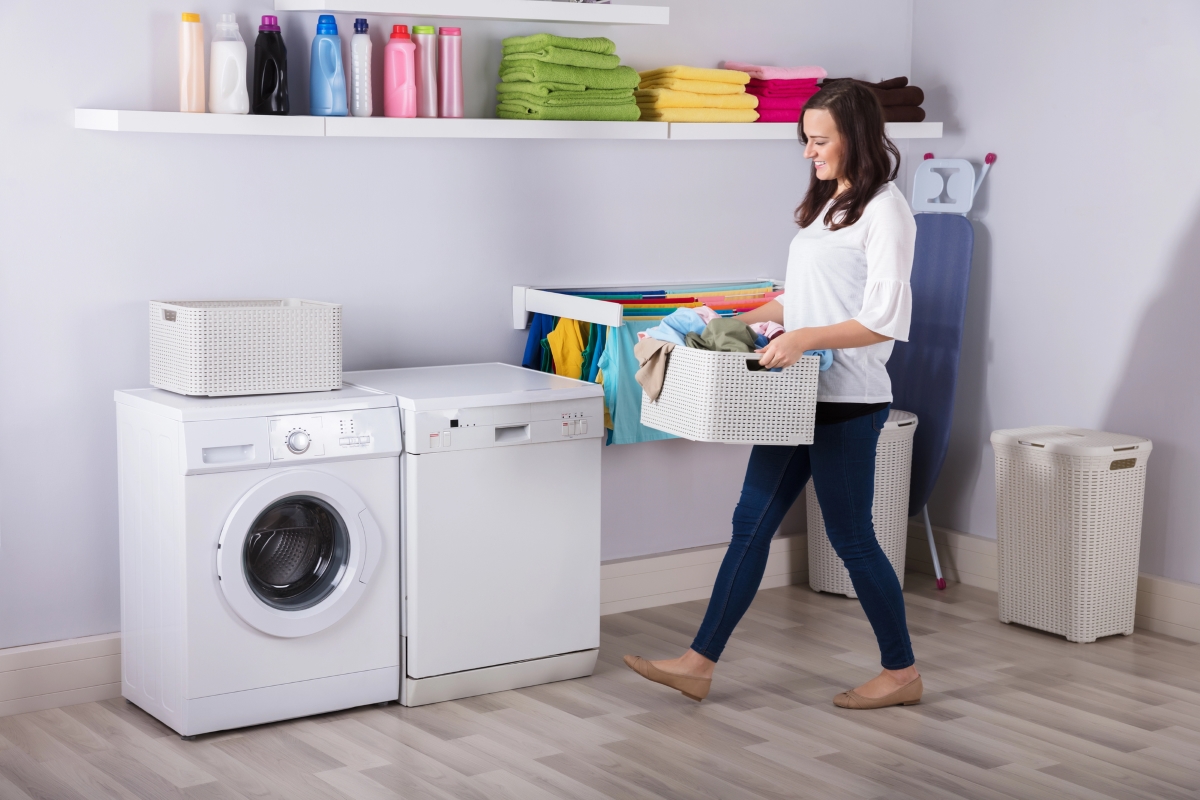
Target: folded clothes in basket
[677,325]
[725,335]
[652,355]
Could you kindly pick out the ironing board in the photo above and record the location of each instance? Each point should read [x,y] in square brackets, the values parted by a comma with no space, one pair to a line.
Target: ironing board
[924,370]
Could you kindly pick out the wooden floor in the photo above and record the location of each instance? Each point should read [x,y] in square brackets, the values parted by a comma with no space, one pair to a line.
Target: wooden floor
[1008,712]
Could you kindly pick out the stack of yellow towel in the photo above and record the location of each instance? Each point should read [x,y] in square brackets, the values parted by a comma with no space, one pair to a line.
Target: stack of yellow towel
[691,94]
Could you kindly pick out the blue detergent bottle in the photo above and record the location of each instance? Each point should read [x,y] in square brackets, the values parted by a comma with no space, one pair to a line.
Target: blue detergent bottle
[327,79]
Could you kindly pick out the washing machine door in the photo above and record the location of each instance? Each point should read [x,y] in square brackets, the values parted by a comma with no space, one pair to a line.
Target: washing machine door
[297,552]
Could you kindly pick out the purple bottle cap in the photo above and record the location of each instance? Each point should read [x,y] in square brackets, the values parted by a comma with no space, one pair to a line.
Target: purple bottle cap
[269,23]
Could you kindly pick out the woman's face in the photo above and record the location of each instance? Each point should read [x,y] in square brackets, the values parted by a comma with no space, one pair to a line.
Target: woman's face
[824,145]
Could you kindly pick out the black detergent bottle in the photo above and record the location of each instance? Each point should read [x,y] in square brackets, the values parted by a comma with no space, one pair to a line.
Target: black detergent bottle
[270,91]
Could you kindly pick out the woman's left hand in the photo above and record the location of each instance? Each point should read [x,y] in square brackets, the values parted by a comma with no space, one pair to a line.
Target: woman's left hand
[784,350]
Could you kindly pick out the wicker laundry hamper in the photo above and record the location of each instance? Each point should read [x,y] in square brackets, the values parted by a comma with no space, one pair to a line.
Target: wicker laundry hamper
[240,347]
[893,471]
[719,397]
[1069,528]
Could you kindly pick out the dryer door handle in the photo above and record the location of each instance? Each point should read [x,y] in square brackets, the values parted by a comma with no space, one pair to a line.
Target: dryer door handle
[374,544]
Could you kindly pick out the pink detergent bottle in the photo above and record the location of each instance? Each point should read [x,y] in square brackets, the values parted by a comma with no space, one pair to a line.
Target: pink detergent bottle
[399,75]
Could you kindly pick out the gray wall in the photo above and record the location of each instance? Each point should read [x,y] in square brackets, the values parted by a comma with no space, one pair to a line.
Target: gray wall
[1086,282]
[420,240]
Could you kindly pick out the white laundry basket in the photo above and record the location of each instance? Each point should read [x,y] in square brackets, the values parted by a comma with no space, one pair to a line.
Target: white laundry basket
[715,397]
[237,347]
[1069,528]
[893,473]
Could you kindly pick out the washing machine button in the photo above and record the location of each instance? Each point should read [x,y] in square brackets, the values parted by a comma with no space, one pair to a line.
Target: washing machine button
[298,441]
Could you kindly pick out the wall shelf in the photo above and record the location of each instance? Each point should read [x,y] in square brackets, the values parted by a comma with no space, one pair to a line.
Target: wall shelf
[179,122]
[390,127]
[526,10]
[551,300]
[385,127]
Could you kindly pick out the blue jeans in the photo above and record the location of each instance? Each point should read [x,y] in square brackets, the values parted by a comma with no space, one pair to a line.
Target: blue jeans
[841,461]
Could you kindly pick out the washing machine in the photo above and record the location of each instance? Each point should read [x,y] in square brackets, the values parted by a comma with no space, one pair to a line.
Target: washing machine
[259,555]
[500,532]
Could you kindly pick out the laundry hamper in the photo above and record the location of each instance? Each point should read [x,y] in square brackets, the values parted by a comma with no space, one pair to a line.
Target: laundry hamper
[712,396]
[893,469]
[238,347]
[1069,528]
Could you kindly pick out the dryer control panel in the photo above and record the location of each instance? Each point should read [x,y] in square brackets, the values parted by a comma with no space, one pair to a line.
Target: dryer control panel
[334,435]
[503,426]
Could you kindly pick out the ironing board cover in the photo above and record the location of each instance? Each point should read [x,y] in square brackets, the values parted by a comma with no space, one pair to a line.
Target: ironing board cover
[924,369]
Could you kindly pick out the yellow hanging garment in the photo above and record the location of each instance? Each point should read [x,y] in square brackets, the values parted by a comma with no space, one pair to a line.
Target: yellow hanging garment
[566,345]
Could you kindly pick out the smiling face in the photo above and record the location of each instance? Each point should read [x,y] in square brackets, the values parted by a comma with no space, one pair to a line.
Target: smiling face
[824,144]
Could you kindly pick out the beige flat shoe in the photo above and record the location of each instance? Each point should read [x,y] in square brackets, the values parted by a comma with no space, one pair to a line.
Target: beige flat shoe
[907,695]
[695,688]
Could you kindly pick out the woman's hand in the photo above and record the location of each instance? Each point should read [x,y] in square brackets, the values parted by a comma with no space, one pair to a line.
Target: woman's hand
[784,350]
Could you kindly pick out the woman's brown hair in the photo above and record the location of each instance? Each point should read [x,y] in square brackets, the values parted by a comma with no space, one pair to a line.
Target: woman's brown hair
[869,158]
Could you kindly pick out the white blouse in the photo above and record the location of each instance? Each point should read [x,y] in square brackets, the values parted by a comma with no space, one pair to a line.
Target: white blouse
[859,272]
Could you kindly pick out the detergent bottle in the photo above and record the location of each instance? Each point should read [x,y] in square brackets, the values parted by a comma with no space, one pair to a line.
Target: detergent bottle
[270,91]
[327,78]
[399,76]
[360,70]
[191,63]
[227,69]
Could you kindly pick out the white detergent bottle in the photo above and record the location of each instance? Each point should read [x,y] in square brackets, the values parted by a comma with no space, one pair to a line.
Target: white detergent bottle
[360,69]
[227,70]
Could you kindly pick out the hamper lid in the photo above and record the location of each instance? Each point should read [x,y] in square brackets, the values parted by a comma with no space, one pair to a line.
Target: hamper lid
[1072,441]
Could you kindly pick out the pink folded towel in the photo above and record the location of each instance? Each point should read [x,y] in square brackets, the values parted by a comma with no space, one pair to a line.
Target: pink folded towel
[779,115]
[782,103]
[777,87]
[785,93]
[764,73]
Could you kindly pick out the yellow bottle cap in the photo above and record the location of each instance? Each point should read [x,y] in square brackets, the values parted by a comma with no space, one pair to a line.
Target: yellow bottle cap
[191,17]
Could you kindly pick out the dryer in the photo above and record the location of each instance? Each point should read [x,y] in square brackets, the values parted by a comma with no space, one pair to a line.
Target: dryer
[500,553]
[259,555]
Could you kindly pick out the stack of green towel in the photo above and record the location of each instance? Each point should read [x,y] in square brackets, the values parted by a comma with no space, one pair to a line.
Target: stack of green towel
[552,77]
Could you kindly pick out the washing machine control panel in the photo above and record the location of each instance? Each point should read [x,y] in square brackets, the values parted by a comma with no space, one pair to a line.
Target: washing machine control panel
[373,431]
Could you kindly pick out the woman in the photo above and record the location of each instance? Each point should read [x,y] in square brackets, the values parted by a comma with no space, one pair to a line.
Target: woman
[847,290]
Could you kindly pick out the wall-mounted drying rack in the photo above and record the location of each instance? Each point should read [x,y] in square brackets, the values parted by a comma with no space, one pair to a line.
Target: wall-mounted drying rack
[582,302]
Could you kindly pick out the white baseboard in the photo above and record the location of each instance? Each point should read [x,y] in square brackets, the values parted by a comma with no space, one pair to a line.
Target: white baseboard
[965,558]
[659,580]
[40,676]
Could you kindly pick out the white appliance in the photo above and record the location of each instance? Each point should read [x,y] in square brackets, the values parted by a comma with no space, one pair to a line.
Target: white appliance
[259,555]
[500,487]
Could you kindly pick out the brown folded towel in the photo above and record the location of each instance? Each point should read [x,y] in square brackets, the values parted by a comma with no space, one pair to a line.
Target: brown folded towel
[894,92]
[903,114]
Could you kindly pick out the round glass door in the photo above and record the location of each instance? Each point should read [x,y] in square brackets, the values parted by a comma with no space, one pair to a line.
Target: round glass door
[295,553]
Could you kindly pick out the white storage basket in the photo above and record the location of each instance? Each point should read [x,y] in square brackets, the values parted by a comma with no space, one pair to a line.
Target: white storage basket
[1069,528]
[715,397]
[233,347]
[893,474]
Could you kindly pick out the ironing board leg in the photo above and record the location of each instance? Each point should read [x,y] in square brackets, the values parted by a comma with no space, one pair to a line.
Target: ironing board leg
[937,566]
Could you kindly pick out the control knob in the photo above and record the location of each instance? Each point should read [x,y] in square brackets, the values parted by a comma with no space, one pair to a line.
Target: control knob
[298,442]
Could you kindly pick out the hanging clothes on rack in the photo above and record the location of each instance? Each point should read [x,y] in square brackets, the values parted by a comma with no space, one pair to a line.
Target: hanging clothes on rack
[539,327]
[622,392]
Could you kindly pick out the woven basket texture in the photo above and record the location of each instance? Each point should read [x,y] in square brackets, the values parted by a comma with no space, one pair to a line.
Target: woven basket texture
[1068,531]
[713,397]
[244,347]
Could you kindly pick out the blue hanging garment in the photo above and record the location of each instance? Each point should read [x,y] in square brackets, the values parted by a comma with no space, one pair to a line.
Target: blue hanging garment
[622,392]
[539,327]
